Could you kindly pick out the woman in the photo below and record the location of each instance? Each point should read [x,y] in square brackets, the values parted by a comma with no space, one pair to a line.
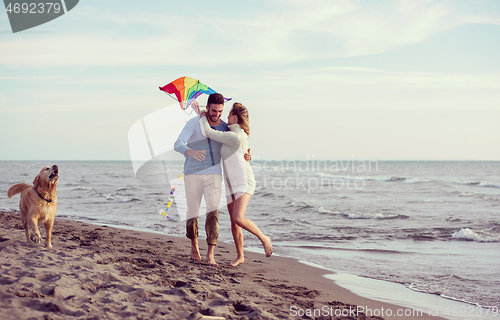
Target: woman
[239,179]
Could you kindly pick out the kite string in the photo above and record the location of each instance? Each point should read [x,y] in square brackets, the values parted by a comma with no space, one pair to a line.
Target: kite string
[168,94]
[188,113]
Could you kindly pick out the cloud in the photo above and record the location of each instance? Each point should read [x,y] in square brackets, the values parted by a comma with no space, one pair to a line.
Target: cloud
[368,29]
[298,31]
[344,88]
[481,19]
[360,75]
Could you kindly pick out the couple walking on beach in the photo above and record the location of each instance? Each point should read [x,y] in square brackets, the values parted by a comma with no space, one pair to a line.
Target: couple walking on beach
[204,140]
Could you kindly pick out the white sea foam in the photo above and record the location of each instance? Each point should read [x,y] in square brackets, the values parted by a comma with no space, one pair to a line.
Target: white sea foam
[473,235]
[80,188]
[414,180]
[482,183]
[487,184]
[479,196]
[360,215]
[467,194]
[377,215]
[326,211]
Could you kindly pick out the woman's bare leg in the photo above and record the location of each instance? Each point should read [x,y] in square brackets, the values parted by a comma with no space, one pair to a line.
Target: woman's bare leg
[238,216]
[237,235]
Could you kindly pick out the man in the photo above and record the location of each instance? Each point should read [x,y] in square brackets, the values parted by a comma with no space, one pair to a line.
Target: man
[203,174]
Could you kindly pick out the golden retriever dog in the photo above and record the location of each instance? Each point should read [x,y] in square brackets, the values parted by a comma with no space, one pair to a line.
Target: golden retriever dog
[38,203]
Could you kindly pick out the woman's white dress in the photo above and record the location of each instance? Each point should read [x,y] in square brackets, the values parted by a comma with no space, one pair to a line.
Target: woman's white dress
[238,175]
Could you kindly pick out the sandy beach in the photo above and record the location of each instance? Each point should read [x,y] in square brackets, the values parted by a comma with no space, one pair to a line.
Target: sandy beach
[100,272]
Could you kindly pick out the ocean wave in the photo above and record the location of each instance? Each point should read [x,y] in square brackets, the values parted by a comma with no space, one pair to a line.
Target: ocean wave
[410,180]
[109,196]
[415,180]
[481,184]
[360,215]
[266,194]
[384,251]
[392,179]
[377,216]
[407,180]
[360,178]
[436,291]
[467,183]
[127,200]
[475,235]
[478,196]
[119,198]
[300,205]
[495,227]
[126,188]
[421,237]
[423,288]
[323,210]
[468,194]
[367,250]
[421,234]
[78,188]
[318,239]
[486,184]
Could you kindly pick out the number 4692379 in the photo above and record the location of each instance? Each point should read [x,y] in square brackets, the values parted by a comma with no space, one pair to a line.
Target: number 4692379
[30,8]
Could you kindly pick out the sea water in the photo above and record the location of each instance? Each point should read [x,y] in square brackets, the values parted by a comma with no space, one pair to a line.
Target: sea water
[431,226]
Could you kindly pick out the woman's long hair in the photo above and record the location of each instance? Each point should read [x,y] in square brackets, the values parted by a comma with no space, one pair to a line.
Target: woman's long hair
[241,112]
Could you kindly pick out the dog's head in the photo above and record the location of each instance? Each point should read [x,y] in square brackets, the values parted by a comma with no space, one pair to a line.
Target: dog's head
[47,179]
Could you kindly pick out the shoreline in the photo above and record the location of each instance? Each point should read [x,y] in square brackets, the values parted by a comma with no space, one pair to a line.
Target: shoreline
[98,270]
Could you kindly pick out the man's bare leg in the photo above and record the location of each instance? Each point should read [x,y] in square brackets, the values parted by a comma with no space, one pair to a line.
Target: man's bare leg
[210,255]
[195,250]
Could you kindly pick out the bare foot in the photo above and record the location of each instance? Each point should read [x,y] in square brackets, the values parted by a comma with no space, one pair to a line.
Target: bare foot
[238,261]
[195,256]
[268,247]
[211,260]
[195,252]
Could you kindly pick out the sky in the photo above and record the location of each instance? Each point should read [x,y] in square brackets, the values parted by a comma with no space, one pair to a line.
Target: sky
[344,79]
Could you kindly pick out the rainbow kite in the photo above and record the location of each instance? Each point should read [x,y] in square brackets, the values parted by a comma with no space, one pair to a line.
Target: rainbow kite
[187,89]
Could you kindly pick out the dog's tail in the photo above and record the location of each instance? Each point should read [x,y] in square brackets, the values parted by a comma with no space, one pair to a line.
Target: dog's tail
[17,188]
